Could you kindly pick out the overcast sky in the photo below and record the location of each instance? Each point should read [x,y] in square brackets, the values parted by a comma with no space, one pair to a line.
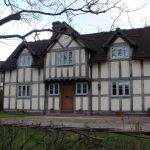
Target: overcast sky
[83,24]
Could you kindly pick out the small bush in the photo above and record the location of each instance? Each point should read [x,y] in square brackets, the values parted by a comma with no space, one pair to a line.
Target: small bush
[148,109]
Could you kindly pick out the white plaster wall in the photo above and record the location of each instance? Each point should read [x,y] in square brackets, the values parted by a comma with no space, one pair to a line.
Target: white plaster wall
[126,104]
[76,53]
[78,103]
[64,71]
[115,104]
[41,103]
[83,70]
[64,40]
[25,51]
[35,89]
[94,88]
[119,40]
[104,87]
[85,103]
[7,76]
[5,105]
[70,71]
[136,68]
[74,44]
[125,68]
[12,103]
[95,71]
[58,72]
[137,103]
[56,46]
[50,103]
[82,56]
[20,75]
[35,74]
[47,59]
[6,90]
[114,69]
[147,102]
[52,72]
[104,104]
[53,62]
[42,89]
[13,90]
[26,104]
[47,73]
[146,66]
[28,74]
[104,70]
[13,76]
[34,103]
[77,71]
[19,104]
[136,86]
[56,103]
[95,103]
[147,86]
[41,74]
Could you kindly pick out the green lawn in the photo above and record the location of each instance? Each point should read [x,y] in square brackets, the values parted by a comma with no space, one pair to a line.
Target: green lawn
[12,115]
[15,138]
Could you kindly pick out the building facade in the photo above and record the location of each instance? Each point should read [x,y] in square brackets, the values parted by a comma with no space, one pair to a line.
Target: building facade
[1,78]
[97,73]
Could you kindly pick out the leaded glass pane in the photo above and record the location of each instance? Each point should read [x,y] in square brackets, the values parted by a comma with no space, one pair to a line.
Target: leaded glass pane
[28,90]
[84,88]
[24,90]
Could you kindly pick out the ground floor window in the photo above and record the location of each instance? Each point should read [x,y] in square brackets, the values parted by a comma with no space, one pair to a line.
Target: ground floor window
[82,88]
[54,89]
[120,88]
[24,90]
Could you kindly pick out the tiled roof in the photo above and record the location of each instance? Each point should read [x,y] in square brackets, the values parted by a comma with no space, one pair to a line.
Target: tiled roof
[98,43]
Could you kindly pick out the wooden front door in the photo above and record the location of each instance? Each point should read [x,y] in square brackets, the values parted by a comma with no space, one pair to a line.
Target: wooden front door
[67,95]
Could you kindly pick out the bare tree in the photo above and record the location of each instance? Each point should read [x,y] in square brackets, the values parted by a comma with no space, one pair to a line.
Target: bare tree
[28,10]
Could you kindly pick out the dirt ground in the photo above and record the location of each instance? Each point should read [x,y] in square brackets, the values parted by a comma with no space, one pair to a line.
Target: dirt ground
[125,123]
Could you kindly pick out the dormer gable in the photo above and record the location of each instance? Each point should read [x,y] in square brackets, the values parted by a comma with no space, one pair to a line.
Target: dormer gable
[24,59]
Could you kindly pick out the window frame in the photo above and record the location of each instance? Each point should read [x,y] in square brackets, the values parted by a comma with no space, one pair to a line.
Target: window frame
[25,60]
[82,88]
[60,58]
[54,89]
[24,90]
[119,47]
[121,83]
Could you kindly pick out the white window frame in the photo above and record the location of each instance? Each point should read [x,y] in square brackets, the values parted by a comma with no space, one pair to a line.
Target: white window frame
[24,90]
[63,58]
[121,84]
[81,84]
[122,50]
[24,60]
[53,88]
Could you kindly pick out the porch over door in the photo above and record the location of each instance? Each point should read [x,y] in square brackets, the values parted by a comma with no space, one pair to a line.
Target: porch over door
[67,95]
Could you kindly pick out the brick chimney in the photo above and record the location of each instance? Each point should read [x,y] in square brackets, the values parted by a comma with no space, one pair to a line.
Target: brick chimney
[57,26]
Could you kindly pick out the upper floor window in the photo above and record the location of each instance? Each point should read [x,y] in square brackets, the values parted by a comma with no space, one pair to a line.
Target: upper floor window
[82,88]
[54,89]
[64,58]
[118,52]
[120,88]
[24,60]
[24,91]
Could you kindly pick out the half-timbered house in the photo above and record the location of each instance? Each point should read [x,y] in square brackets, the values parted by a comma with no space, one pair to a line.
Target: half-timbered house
[99,73]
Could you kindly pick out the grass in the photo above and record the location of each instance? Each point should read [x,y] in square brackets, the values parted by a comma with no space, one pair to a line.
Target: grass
[43,139]
[13,115]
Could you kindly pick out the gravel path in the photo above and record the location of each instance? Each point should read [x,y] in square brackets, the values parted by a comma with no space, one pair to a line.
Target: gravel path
[131,123]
